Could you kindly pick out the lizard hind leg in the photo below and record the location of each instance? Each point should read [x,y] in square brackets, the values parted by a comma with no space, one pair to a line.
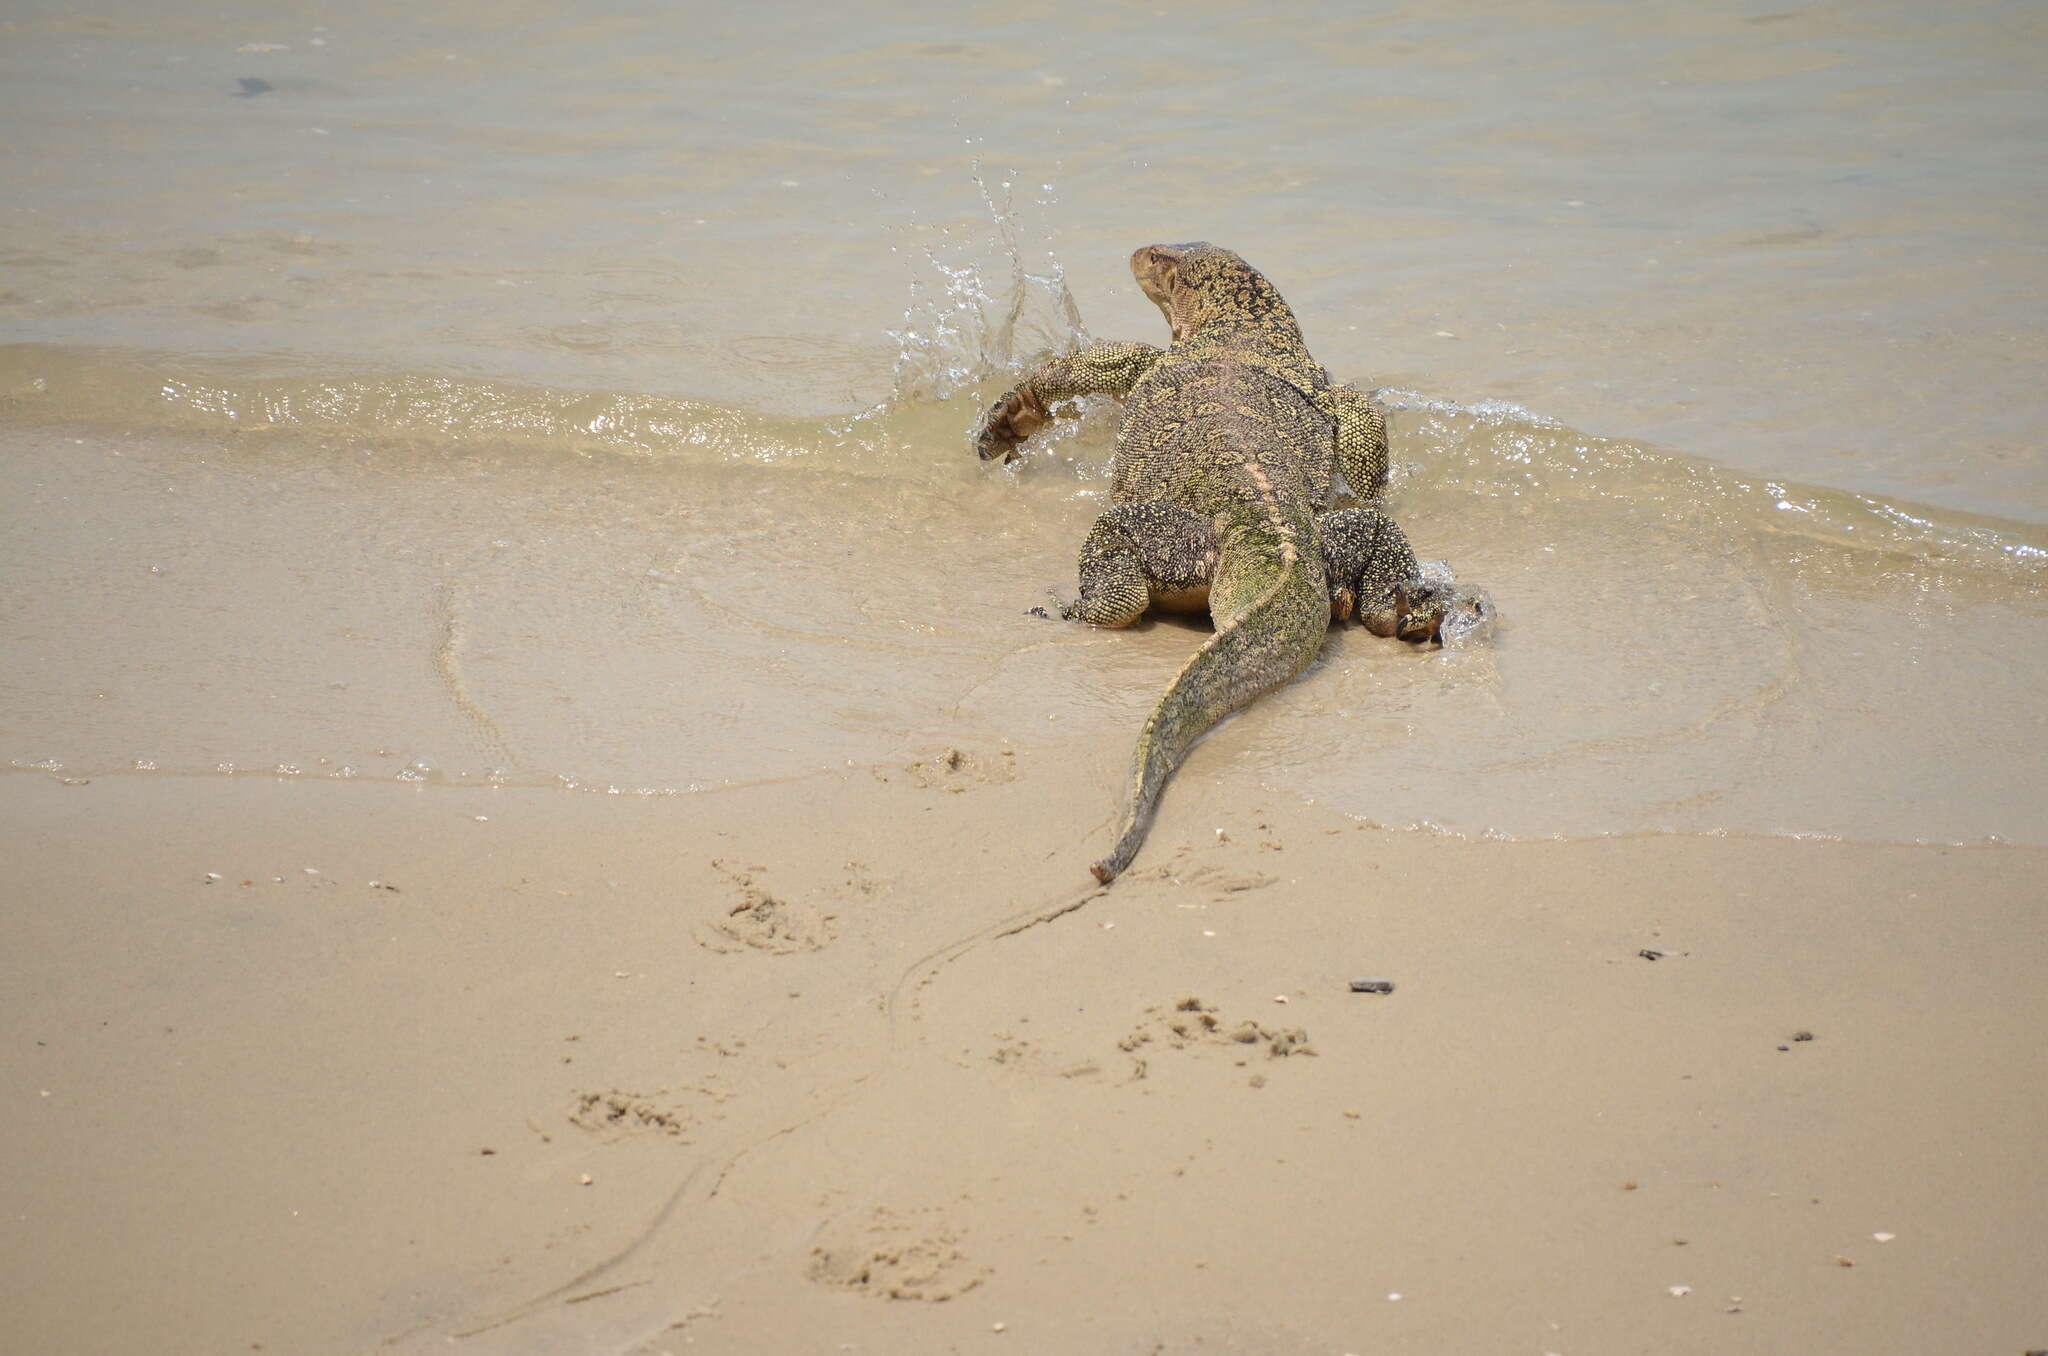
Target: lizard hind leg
[1144,555]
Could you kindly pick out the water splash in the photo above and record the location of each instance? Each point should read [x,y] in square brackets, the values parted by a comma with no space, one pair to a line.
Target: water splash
[1469,616]
[959,328]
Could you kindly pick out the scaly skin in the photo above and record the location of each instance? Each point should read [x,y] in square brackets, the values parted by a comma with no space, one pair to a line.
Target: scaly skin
[1221,479]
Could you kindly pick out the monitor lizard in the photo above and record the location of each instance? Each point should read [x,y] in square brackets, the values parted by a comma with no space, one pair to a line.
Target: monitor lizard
[1221,484]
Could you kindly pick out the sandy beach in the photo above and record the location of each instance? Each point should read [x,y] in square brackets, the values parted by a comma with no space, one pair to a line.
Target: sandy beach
[306,1068]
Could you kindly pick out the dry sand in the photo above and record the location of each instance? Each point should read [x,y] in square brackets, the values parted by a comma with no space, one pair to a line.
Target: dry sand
[330,1067]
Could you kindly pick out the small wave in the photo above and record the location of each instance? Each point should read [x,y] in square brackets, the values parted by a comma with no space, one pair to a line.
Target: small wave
[1490,412]
[1446,449]
[1496,449]
[100,387]
[984,302]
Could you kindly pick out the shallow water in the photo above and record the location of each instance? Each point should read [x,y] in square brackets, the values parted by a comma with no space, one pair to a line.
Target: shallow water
[580,400]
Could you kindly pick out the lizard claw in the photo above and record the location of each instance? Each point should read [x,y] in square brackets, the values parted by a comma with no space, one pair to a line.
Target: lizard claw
[1415,613]
[1419,613]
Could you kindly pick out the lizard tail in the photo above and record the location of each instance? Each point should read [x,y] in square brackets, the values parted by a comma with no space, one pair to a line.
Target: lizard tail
[1263,648]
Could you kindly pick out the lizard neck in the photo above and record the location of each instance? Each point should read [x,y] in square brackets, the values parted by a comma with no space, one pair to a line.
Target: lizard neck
[1260,348]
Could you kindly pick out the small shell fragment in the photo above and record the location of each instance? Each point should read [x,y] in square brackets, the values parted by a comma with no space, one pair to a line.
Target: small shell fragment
[1884,1237]
[1679,1290]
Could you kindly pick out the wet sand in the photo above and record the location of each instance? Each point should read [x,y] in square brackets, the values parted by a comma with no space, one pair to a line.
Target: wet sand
[329,1067]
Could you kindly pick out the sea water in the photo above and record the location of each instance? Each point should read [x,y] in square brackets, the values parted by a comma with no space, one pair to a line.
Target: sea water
[578,396]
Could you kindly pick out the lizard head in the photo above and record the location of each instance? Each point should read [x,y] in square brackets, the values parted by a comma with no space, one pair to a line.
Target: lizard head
[1198,285]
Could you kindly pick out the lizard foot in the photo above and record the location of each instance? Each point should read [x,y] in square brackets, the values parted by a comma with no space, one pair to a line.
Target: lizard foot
[1008,422]
[1415,613]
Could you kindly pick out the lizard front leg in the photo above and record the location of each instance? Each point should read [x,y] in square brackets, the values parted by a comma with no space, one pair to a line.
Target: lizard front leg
[1102,369]
[1374,576]
[1361,439]
[1144,555]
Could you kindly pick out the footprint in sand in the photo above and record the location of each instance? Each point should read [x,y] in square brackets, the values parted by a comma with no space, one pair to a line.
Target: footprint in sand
[1015,1052]
[1186,871]
[617,1113]
[759,919]
[1189,1024]
[1192,1024]
[897,1255]
[960,770]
